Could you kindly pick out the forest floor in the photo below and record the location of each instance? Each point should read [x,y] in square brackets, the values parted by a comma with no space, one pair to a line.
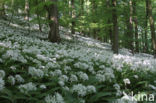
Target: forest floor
[78,65]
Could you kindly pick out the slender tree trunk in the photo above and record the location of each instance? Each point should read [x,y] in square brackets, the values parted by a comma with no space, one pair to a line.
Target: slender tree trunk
[151,21]
[115,27]
[130,27]
[54,22]
[73,17]
[12,11]
[145,34]
[39,22]
[136,27]
[38,18]
[2,9]
[109,22]
[26,10]
[94,7]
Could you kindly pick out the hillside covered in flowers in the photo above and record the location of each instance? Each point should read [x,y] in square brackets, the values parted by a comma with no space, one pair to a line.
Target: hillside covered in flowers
[76,70]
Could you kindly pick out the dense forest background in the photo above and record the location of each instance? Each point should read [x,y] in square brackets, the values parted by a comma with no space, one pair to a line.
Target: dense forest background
[123,23]
[77,51]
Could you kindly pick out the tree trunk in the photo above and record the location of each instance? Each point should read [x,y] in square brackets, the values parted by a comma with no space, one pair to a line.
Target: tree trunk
[130,27]
[115,27]
[94,7]
[136,27]
[26,10]
[145,34]
[38,18]
[109,23]
[2,9]
[73,17]
[151,21]
[54,23]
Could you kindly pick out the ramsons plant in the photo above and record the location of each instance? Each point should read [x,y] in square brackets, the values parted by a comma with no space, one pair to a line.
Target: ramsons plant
[33,70]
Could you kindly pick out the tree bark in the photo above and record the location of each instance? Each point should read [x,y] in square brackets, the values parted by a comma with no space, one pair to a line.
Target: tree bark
[94,7]
[130,27]
[26,10]
[151,21]
[136,27]
[2,9]
[145,34]
[73,17]
[115,27]
[109,23]
[54,23]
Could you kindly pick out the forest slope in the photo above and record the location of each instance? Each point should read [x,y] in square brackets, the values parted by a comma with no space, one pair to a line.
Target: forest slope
[79,70]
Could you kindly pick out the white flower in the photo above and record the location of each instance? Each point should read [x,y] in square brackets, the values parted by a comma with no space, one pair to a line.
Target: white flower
[25,88]
[101,77]
[61,83]
[109,76]
[127,81]
[66,69]
[2,74]
[13,68]
[83,76]
[19,78]
[81,65]
[35,72]
[63,78]
[73,78]
[66,88]
[2,83]
[80,89]
[11,79]
[57,98]
[43,86]
[91,89]
[82,101]
[50,65]
[136,76]
[42,57]
[57,72]
[116,86]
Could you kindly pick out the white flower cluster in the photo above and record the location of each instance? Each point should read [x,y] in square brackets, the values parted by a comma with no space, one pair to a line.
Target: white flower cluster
[117,87]
[126,81]
[43,86]
[83,76]
[81,65]
[14,55]
[57,98]
[82,90]
[25,88]
[35,72]
[11,80]
[73,78]
[19,78]
[2,73]
[100,77]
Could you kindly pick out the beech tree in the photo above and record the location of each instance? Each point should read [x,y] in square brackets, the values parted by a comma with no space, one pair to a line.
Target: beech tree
[2,9]
[73,16]
[115,27]
[151,21]
[54,22]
